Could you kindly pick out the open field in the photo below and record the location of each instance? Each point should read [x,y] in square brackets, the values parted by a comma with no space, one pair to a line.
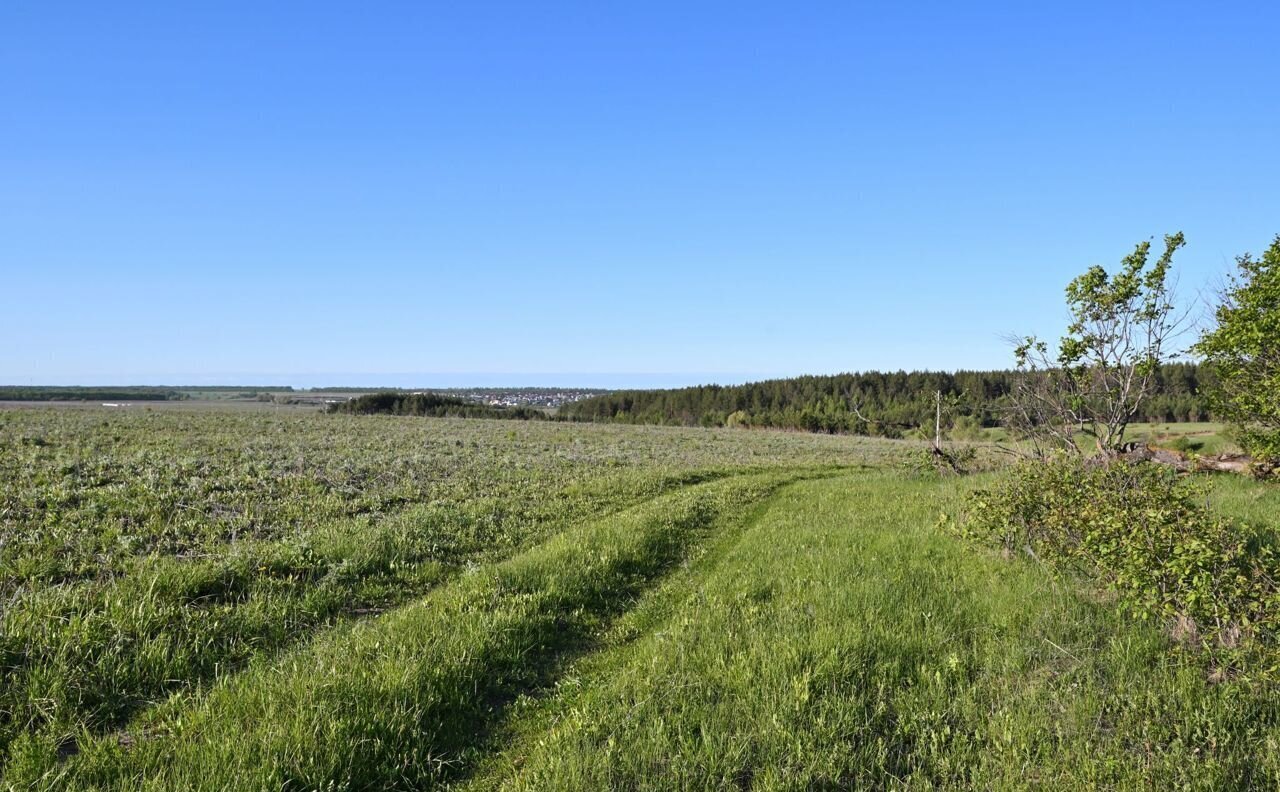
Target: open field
[223,599]
[1205,438]
[186,405]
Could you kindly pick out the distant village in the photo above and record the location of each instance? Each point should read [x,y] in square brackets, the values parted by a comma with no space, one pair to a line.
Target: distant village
[125,396]
[549,398]
[539,398]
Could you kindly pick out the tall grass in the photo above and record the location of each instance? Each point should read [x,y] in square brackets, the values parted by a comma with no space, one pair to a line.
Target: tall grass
[149,555]
[262,602]
[399,701]
[842,643]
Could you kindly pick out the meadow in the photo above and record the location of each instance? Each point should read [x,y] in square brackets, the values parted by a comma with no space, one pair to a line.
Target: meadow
[1202,438]
[213,599]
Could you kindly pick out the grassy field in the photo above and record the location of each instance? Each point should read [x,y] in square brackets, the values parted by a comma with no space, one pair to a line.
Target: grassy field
[1202,438]
[260,600]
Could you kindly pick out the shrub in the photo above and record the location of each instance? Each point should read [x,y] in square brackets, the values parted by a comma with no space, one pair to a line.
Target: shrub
[1184,444]
[1144,531]
[922,432]
[930,461]
[966,427]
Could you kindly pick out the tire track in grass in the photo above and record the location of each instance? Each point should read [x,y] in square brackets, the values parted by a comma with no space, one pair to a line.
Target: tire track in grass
[86,658]
[533,716]
[402,701]
[842,642]
[712,691]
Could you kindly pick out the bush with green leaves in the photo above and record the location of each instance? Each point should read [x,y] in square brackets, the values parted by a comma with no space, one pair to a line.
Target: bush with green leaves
[1184,445]
[1147,534]
[966,427]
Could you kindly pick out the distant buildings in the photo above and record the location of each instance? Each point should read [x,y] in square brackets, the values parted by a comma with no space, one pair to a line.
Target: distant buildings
[533,397]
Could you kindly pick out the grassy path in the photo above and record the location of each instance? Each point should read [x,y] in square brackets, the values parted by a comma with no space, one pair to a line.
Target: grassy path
[749,633]
[90,655]
[402,700]
[843,642]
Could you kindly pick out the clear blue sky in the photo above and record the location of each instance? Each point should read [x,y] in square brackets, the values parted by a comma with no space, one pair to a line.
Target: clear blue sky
[644,193]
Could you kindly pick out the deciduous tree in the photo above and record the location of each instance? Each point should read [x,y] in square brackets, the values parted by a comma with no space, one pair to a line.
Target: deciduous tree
[1107,364]
[1243,353]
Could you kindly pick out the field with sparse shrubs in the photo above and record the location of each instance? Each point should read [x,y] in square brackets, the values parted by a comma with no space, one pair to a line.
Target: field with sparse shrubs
[225,600]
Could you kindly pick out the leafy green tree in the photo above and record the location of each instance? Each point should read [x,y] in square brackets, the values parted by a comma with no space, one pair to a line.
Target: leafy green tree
[1243,353]
[1109,361]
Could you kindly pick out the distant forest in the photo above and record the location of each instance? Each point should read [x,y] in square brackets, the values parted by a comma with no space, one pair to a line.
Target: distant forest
[59,393]
[890,404]
[430,405]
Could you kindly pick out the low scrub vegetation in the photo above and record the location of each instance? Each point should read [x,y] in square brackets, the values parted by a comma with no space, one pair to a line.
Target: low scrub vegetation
[1145,531]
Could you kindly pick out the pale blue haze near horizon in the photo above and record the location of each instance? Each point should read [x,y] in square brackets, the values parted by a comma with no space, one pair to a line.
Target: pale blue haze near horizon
[603,194]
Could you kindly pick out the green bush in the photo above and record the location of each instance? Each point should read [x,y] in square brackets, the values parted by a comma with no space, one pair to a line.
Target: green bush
[1184,444]
[966,427]
[1146,533]
[922,432]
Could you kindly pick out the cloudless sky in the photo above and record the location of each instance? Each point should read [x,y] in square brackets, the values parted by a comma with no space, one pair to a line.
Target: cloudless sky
[603,193]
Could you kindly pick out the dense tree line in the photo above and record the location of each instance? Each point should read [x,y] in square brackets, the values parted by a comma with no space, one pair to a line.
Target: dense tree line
[430,405]
[71,393]
[876,403]
[251,389]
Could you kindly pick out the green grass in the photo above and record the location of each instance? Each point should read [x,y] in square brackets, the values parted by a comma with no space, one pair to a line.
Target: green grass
[1202,438]
[252,600]
[398,700]
[842,642]
[149,555]
[1245,500]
